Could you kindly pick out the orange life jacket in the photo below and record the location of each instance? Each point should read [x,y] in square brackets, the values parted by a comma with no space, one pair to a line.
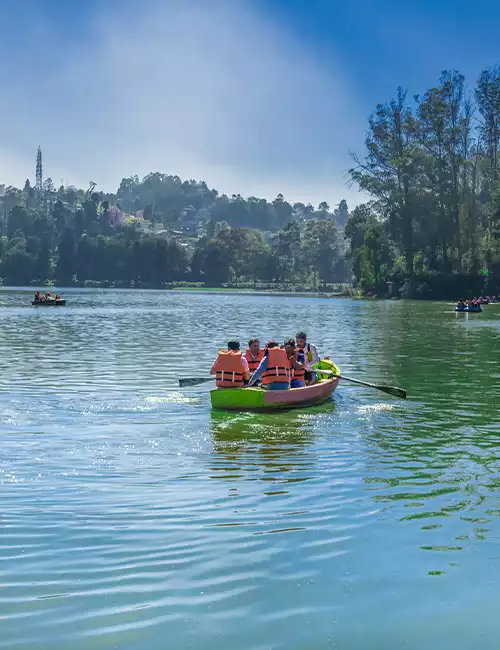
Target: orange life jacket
[253,364]
[229,370]
[278,367]
[298,374]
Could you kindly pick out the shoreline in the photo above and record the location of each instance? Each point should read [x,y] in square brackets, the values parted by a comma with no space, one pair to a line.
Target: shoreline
[211,290]
[229,290]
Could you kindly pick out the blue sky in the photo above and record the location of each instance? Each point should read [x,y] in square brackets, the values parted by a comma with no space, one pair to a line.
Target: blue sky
[253,96]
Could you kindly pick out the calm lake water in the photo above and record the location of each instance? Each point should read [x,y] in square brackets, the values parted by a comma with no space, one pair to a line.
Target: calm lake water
[134,517]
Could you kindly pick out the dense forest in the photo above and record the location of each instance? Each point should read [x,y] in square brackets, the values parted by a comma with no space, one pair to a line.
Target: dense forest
[431,227]
[162,230]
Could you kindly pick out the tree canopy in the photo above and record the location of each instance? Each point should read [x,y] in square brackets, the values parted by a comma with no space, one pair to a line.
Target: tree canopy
[432,167]
[161,230]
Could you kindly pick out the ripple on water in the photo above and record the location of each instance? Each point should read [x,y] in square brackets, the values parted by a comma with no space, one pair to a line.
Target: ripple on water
[133,516]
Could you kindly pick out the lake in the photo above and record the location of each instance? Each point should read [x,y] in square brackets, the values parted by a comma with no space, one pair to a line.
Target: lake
[133,516]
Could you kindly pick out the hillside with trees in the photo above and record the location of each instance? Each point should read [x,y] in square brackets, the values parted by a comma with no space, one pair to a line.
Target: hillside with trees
[162,230]
[431,228]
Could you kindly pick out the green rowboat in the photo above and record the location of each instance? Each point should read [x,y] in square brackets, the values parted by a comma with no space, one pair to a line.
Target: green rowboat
[259,399]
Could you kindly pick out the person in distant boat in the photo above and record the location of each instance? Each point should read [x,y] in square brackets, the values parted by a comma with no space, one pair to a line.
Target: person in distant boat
[38,296]
[254,354]
[230,367]
[58,297]
[311,356]
[296,359]
[274,369]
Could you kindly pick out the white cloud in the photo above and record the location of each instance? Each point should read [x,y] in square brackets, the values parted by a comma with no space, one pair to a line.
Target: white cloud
[206,90]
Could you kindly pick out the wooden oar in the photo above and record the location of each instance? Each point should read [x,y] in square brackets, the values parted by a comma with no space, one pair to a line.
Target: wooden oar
[390,390]
[194,381]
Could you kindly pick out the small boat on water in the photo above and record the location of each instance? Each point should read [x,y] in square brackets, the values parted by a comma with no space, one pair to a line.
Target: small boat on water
[469,309]
[259,399]
[49,303]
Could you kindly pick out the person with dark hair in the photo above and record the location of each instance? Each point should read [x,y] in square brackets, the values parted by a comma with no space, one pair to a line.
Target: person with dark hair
[311,356]
[230,367]
[254,354]
[274,369]
[297,363]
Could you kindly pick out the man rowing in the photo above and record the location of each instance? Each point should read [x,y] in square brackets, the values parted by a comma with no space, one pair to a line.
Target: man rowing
[311,357]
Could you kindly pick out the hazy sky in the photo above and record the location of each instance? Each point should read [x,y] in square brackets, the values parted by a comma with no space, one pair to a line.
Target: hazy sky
[253,96]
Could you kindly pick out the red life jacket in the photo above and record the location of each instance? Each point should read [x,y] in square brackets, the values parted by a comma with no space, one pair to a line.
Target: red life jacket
[229,370]
[278,367]
[253,363]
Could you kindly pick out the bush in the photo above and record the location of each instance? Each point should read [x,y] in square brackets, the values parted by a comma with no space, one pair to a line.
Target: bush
[433,285]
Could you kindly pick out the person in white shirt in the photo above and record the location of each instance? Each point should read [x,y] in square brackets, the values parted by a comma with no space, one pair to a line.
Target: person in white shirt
[311,356]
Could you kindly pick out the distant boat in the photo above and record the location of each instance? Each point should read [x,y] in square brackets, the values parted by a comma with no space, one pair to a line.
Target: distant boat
[49,303]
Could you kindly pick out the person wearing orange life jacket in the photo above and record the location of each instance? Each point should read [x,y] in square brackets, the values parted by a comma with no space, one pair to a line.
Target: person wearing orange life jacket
[296,360]
[254,354]
[230,367]
[274,369]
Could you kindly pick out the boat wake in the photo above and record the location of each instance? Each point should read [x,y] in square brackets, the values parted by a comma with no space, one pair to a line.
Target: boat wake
[375,408]
[172,398]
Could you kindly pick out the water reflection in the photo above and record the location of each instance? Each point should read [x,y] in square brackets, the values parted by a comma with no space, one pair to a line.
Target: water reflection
[274,447]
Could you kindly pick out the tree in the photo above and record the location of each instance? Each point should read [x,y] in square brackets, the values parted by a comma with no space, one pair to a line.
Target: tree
[42,264]
[216,264]
[323,209]
[48,185]
[487,96]
[28,194]
[341,214]
[17,262]
[370,249]
[85,258]
[19,219]
[282,211]
[286,247]
[390,171]
[321,250]
[66,263]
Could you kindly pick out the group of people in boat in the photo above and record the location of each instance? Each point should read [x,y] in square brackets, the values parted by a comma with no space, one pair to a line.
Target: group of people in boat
[45,297]
[273,367]
[475,302]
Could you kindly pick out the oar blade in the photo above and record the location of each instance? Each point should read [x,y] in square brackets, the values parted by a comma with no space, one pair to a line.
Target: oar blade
[193,381]
[393,390]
